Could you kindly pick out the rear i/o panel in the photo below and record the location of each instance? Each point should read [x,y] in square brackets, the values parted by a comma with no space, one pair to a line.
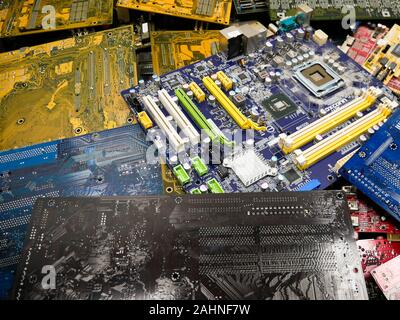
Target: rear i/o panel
[66,88]
[215,11]
[303,107]
[24,17]
[269,246]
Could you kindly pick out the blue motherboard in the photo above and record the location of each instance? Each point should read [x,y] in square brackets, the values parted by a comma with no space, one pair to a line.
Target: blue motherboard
[106,163]
[309,107]
[375,168]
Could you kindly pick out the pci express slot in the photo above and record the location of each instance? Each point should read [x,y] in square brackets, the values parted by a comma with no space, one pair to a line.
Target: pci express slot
[198,117]
[322,149]
[328,122]
[180,118]
[175,140]
[228,105]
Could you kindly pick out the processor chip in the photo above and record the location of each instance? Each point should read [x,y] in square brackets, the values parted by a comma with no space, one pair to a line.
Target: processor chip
[318,78]
[279,106]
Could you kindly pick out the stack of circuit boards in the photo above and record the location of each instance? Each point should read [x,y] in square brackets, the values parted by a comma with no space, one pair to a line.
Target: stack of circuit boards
[234,160]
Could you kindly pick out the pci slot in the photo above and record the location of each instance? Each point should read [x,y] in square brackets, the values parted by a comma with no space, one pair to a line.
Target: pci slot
[322,149]
[175,140]
[228,105]
[330,121]
[180,118]
[198,117]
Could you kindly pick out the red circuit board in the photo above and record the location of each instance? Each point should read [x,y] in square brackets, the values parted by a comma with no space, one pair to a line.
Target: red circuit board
[365,40]
[394,85]
[376,252]
[367,219]
[387,276]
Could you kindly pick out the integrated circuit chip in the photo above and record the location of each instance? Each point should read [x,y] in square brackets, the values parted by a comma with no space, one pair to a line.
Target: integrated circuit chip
[279,106]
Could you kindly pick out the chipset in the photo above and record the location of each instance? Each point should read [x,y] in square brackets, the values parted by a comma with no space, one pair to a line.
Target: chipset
[318,78]
[279,105]
[250,167]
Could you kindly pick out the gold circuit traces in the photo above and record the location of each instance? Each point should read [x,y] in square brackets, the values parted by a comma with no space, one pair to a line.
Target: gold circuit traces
[172,50]
[66,88]
[34,16]
[216,11]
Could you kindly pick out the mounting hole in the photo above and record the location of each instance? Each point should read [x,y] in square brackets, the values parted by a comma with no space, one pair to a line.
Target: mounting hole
[178,200]
[51,203]
[330,178]
[340,196]
[21,121]
[169,190]
[100,179]
[129,120]
[393,147]
[78,130]
[175,276]
[355,270]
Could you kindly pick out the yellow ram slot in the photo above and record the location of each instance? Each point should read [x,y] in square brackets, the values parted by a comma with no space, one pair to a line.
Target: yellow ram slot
[226,82]
[330,121]
[321,150]
[228,105]
[198,93]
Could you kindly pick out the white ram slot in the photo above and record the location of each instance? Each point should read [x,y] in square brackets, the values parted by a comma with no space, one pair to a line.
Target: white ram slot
[175,140]
[178,115]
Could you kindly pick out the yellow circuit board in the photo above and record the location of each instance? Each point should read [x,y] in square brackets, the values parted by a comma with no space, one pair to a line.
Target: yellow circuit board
[66,88]
[384,62]
[215,11]
[175,49]
[20,17]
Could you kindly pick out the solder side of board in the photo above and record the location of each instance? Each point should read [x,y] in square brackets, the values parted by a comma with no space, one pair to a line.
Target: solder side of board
[66,88]
[259,246]
[262,91]
[106,163]
[37,16]
[375,168]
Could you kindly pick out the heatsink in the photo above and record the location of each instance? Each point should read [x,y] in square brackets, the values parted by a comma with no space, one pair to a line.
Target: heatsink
[249,167]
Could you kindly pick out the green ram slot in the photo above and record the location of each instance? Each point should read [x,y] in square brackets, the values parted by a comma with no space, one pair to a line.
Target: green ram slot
[198,117]
[181,174]
[199,166]
[195,191]
[214,186]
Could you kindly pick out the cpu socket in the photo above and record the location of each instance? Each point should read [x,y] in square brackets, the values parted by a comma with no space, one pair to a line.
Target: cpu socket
[318,78]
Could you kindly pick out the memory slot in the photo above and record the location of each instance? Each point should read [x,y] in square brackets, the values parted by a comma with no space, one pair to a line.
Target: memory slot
[175,140]
[228,105]
[180,118]
[199,118]
[322,149]
[289,143]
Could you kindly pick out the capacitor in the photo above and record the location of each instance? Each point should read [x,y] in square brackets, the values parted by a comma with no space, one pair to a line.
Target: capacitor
[295,61]
[218,83]
[279,42]
[141,84]
[322,112]
[306,56]
[363,138]
[300,58]
[278,74]
[211,98]
[300,34]
[272,74]
[269,47]
[264,186]
[336,65]
[331,61]
[232,93]
[173,159]
[254,113]
[274,161]
[203,188]
[190,94]
[185,87]
[214,76]
[289,38]
[187,166]
[238,90]
[268,80]
[308,33]
[311,53]
[289,64]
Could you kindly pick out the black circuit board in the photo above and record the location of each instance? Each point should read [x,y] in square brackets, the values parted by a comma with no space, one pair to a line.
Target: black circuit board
[271,246]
